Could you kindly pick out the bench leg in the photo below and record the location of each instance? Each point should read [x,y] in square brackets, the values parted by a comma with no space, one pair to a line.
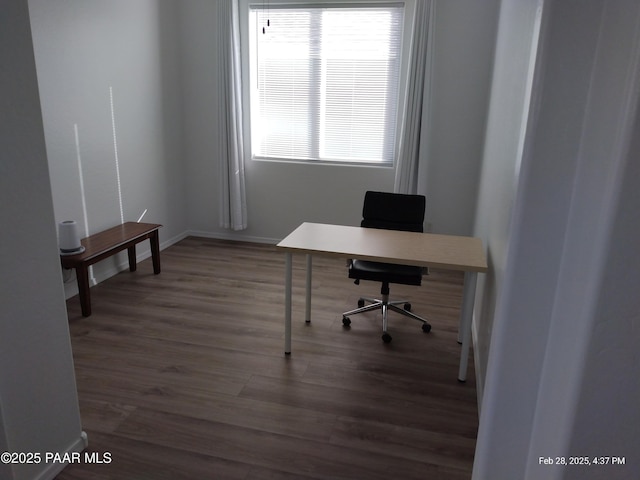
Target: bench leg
[155,251]
[82,275]
[131,251]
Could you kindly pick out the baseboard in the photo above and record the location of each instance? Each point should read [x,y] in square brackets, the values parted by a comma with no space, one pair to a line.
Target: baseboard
[476,361]
[51,470]
[236,236]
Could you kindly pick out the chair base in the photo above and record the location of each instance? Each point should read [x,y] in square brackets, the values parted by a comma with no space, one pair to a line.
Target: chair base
[385,305]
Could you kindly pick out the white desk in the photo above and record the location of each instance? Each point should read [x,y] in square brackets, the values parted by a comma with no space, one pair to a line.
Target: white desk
[392,246]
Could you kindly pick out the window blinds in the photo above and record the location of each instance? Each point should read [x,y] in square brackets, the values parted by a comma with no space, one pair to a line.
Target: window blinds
[325,82]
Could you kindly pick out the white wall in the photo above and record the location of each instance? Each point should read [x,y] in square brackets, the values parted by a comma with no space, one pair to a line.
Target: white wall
[464,44]
[561,370]
[89,52]
[38,400]
[589,404]
[159,59]
[5,468]
[506,126]
[608,394]
[281,195]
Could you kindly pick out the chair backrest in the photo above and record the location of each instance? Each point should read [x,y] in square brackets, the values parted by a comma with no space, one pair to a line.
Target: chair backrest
[393,211]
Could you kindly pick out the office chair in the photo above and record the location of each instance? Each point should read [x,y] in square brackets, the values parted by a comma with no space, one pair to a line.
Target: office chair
[391,211]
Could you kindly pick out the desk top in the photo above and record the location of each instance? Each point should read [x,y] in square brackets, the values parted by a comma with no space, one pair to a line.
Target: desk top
[109,239]
[449,252]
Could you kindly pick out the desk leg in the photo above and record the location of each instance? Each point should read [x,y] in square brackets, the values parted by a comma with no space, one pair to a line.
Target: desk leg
[287,304]
[466,316]
[131,252]
[82,275]
[155,251]
[307,317]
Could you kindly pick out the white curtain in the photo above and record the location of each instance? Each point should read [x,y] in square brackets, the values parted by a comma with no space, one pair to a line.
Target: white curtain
[233,206]
[412,141]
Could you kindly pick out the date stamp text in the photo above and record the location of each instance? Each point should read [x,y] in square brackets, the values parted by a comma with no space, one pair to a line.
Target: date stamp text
[583,460]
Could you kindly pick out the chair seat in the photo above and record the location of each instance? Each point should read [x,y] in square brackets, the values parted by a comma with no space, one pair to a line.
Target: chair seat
[385,272]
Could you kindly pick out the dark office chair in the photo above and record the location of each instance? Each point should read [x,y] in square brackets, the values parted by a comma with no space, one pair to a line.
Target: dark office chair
[391,211]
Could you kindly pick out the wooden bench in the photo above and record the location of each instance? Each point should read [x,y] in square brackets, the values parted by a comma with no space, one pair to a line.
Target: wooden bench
[108,243]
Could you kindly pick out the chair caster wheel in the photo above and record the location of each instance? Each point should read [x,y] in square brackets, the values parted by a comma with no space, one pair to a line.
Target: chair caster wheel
[346,321]
[360,303]
[407,307]
[386,338]
[426,328]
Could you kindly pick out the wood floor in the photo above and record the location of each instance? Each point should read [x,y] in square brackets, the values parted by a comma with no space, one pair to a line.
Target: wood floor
[182,375]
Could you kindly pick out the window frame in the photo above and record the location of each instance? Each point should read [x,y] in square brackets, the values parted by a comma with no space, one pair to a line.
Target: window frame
[405,50]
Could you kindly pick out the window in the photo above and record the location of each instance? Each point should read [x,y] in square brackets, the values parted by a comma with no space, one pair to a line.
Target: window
[324,81]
